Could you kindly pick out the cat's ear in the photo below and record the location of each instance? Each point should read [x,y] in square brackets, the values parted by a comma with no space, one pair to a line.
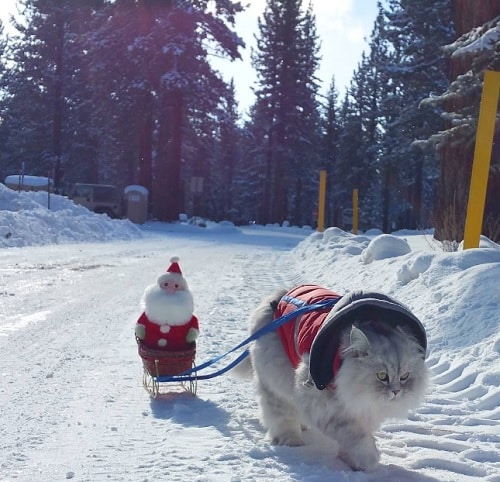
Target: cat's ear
[360,346]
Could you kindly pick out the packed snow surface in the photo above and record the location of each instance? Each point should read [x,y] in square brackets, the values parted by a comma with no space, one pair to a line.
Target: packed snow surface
[73,405]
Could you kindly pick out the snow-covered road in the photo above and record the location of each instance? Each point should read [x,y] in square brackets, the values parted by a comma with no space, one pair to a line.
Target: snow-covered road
[71,394]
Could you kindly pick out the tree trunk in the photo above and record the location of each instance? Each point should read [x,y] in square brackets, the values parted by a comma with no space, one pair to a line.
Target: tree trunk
[386,201]
[266,213]
[456,157]
[298,202]
[417,220]
[278,207]
[146,147]
[168,192]
[472,13]
[175,190]
[58,103]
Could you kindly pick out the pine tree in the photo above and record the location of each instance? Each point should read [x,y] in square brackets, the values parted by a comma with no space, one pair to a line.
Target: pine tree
[43,101]
[107,90]
[415,71]
[476,50]
[331,131]
[349,154]
[225,165]
[286,107]
[8,164]
[384,121]
[166,90]
[360,162]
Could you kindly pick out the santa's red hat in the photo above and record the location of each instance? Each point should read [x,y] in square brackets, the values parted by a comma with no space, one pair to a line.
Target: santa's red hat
[173,273]
[174,267]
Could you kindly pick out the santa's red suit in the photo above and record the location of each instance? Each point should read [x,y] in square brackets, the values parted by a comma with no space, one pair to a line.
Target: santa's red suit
[175,336]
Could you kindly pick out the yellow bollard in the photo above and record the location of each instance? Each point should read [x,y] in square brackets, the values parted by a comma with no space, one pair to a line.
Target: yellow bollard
[482,159]
[321,203]
[355,211]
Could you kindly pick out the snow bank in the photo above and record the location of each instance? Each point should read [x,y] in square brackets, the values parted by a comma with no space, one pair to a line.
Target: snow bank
[28,181]
[26,220]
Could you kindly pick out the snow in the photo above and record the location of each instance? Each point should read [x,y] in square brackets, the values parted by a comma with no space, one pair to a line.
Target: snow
[477,40]
[385,246]
[133,188]
[73,405]
[27,181]
[25,220]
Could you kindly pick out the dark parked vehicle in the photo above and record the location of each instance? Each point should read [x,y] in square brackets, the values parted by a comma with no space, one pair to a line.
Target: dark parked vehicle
[100,198]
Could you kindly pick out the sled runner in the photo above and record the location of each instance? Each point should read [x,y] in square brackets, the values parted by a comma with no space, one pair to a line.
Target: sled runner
[160,365]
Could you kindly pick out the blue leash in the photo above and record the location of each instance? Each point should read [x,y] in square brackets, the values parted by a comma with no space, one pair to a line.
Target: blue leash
[302,307]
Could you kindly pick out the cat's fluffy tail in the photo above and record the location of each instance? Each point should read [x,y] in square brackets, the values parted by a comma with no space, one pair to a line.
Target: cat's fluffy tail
[263,315]
[243,369]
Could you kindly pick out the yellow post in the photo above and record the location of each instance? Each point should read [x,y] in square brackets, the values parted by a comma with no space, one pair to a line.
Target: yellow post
[355,211]
[482,159]
[321,203]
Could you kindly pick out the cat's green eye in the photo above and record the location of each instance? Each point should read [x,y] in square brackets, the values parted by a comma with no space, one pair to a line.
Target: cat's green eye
[382,376]
[404,376]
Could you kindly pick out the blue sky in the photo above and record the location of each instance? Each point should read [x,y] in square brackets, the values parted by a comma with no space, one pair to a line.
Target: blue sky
[6,7]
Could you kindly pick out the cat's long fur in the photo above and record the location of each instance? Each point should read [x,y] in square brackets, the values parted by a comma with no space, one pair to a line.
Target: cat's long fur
[358,403]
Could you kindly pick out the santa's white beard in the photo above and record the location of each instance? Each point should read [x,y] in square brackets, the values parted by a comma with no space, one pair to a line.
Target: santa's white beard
[163,308]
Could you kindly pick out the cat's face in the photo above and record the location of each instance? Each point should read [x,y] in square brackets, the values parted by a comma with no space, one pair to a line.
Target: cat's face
[385,366]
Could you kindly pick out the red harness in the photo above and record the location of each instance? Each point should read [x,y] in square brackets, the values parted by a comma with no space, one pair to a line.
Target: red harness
[298,335]
[319,332]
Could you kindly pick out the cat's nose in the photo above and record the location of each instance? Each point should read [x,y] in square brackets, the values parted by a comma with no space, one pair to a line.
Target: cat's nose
[396,392]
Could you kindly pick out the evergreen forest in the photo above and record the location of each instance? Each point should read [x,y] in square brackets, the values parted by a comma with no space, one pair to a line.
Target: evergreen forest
[122,92]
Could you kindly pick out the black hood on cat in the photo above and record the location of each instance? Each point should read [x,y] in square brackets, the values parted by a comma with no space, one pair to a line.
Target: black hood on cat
[357,306]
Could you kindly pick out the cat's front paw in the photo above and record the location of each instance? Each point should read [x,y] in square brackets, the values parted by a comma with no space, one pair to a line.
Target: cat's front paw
[361,455]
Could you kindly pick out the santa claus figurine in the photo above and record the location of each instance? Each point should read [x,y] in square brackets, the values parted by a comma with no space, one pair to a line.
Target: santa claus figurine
[167,321]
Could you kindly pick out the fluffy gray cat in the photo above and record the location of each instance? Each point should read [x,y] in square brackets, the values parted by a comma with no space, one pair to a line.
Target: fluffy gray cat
[381,375]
